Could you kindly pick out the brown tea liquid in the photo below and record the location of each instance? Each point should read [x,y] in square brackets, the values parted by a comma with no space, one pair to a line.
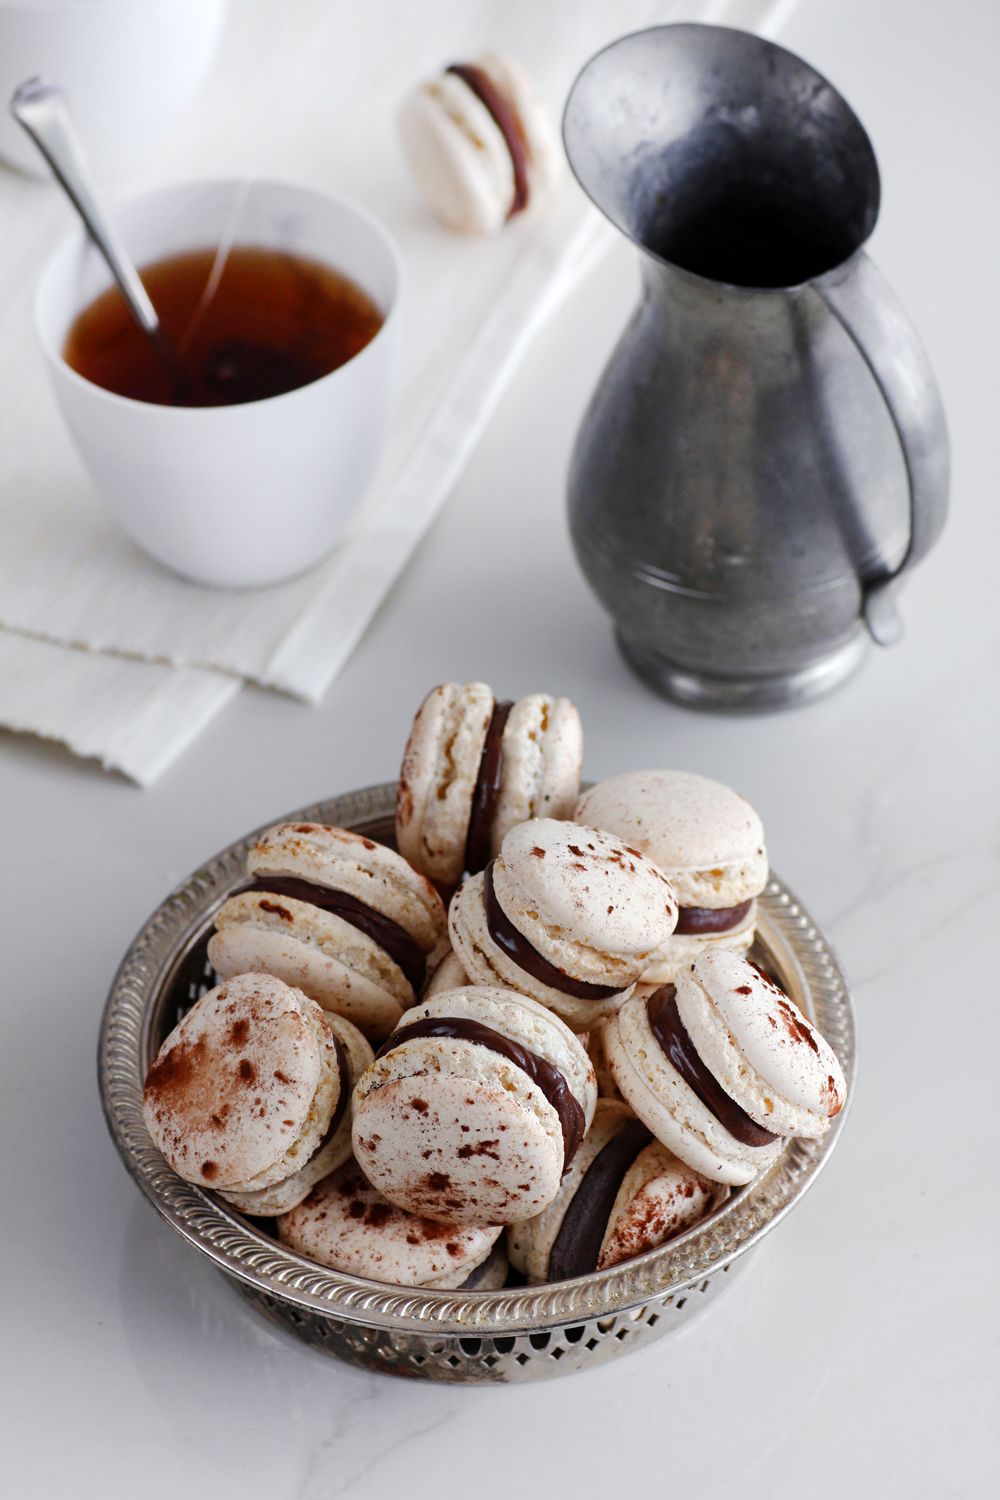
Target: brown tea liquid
[269,323]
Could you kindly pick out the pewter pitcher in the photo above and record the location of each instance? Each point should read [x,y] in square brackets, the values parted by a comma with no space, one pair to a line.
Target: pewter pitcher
[766,453]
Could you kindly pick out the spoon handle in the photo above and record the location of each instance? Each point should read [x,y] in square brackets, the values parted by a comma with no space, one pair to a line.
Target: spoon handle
[40,108]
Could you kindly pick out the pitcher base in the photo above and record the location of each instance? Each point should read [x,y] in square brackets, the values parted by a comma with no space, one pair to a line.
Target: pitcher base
[745,694]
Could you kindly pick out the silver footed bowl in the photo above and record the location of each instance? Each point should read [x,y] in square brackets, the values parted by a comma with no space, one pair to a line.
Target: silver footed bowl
[519,1333]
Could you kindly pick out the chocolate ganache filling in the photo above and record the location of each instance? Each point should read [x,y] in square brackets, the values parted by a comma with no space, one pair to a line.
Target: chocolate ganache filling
[404,950]
[516,946]
[507,122]
[487,792]
[577,1246]
[668,1028]
[545,1074]
[343,1098]
[696,919]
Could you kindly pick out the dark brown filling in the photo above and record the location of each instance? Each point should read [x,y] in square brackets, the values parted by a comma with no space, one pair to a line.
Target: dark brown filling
[548,1077]
[507,123]
[475,1277]
[694,919]
[404,950]
[668,1028]
[577,1245]
[487,793]
[343,1098]
[516,946]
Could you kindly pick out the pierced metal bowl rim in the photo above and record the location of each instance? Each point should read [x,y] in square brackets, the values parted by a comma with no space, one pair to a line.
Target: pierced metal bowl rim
[809,967]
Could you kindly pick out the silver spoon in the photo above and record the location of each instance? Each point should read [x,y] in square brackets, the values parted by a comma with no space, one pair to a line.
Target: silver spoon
[40,108]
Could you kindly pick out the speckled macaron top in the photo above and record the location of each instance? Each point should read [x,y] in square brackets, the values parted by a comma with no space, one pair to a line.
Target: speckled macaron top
[244,1087]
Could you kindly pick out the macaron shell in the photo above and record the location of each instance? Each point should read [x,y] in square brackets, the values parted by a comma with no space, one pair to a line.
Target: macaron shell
[705,837]
[234,1084]
[487,964]
[670,1108]
[545,157]
[659,1198]
[587,902]
[764,1052]
[529,1244]
[449,975]
[469,1145]
[458,156]
[243,947]
[346,861]
[684,947]
[347,1225]
[438,778]
[540,764]
[291,1191]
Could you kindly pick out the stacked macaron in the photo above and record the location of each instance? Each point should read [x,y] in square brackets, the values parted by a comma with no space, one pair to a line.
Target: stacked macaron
[624,1194]
[250,1093]
[474,1108]
[706,839]
[479,143]
[343,918]
[723,1067]
[347,1225]
[566,915]
[473,768]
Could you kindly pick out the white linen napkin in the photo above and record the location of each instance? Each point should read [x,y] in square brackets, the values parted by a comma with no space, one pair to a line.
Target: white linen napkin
[305,90]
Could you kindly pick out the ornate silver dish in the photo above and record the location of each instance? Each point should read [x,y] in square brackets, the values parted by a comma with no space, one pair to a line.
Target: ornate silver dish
[520,1333]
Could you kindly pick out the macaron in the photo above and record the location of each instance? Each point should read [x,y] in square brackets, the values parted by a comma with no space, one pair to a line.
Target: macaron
[449,975]
[473,768]
[624,1194]
[246,1089]
[346,1225]
[566,914]
[474,1108]
[723,1067]
[343,918]
[354,1055]
[480,143]
[707,840]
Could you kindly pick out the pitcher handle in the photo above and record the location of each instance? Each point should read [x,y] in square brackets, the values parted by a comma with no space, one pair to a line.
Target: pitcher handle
[862,302]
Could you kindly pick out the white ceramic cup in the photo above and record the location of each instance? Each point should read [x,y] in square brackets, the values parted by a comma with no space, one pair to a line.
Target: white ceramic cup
[233,496]
[128,67]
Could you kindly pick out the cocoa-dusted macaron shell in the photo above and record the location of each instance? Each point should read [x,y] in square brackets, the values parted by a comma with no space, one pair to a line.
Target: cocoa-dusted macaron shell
[243,1089]
[355,1054]
[347,1225]
[593,910]
[437,779]
[706,838]
[470,1111]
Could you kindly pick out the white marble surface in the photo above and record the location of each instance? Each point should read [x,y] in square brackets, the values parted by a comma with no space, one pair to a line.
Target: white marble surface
[858,1355]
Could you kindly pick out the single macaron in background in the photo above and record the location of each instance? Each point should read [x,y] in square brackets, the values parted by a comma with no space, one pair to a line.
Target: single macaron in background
[474,1108]
[707,840]
[723,1067]
[347,1225]
[449,975]
[242,1093]
[625,1193]
[565,914]
[343,918]
[473,768]
[480,143]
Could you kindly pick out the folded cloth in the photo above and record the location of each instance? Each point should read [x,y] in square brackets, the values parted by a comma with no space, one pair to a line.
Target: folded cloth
[332,79]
